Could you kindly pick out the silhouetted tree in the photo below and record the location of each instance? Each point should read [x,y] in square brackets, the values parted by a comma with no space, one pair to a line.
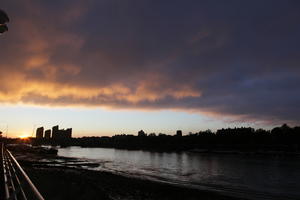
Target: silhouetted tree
[141,133]
[3,20]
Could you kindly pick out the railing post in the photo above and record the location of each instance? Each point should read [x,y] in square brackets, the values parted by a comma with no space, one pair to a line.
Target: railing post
[33,188]
[2,184]
[13,178]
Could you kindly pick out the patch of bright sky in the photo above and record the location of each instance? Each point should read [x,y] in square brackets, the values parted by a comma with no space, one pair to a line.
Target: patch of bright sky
[23,120]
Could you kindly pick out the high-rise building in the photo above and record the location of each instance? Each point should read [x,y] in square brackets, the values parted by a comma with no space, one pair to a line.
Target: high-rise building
[39,132]
[55,131]
[47,134]
[68,133]
[61,134]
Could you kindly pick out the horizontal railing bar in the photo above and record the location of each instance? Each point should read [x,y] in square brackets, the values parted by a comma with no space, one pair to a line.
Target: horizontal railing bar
[17,179]
[34,189]
[13,188]
[20,185]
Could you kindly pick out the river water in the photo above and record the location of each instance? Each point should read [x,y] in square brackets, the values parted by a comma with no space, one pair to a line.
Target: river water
[240,175]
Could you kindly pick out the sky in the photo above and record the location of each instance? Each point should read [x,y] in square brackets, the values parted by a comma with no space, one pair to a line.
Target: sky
[106,67]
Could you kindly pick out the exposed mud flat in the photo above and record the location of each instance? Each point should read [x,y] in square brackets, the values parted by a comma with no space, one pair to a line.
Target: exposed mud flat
[67,178]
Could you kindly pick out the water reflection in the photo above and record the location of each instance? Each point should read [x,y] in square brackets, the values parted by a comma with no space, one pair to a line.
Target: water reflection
[256,176]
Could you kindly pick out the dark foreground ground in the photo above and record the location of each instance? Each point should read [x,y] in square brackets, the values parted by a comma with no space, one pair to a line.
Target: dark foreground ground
[57,183]
[60,178]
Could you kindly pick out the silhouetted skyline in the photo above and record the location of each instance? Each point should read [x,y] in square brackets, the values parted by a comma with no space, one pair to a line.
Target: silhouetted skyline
[282,139]
[55,134]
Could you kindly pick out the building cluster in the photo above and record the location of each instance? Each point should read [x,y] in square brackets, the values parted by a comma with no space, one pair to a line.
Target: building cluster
[57,134]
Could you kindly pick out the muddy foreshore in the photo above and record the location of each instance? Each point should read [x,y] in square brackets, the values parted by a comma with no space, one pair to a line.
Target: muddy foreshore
[60,178]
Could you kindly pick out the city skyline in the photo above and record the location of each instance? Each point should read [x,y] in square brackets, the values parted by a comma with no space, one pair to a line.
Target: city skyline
[112,67]
[109,123]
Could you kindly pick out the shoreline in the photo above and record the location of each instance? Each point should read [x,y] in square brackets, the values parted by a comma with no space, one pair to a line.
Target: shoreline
[63,183]
[59,177]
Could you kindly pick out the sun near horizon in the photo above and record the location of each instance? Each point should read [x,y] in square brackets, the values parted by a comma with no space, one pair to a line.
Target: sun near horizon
[24,136]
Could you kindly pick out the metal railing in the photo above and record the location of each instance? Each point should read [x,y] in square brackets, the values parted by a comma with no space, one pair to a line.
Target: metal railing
[16,183]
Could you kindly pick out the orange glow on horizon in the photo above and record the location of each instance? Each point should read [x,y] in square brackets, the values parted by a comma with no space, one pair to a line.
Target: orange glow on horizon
[24,137]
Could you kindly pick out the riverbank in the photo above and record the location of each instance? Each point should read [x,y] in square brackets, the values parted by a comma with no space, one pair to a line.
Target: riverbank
[65,178]
[57,183]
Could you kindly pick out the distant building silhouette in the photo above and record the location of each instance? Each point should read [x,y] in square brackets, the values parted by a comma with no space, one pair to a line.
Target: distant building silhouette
[61,134]
[179,133]
[47,134]
[39,132]
[55,132]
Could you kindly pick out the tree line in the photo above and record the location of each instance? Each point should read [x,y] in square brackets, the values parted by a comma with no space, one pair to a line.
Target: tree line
[284,139]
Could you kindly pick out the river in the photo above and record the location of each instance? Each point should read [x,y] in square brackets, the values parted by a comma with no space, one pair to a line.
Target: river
[247,176]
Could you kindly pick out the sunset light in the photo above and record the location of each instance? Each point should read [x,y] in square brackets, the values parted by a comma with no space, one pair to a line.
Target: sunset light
[108,99]
[25,136]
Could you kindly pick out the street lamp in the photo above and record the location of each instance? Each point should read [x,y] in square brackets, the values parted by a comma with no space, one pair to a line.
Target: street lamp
[3,20]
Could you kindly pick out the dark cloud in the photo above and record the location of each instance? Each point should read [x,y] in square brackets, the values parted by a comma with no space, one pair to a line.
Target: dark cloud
[232,59]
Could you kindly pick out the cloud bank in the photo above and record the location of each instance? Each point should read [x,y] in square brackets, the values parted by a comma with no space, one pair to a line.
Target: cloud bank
[230,59]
